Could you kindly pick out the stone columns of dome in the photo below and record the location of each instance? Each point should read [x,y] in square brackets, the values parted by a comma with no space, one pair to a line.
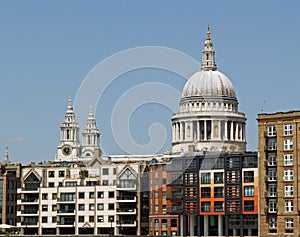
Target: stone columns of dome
[237,132]
[181,131]
[173,133]
[225,131]
[192,131]
[220,129]
[176,132]
[231,131]
[244,132]
[205,130]
[212,130]
[198,130]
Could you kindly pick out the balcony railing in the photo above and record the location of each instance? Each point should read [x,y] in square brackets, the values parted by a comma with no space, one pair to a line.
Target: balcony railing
[65,210]
[174,196]
[125,222]
[29,223]
[125,209]
[126,198]
[175,209]
[65,222]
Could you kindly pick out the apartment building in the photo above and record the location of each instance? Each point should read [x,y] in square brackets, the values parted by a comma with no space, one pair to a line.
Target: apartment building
[278,140]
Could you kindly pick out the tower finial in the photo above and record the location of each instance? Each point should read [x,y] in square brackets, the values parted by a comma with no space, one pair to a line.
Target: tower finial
[70,105]
[208,54]
[6,153]
[91,113]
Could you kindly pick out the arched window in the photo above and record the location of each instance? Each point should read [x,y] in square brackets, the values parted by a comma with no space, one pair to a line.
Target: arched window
[68,134]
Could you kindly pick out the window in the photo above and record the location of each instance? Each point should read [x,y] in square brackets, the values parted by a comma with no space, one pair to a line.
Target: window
[111,194]
[111,206]
[289,191]
[45,196]
[249,206]
[288,129]
[81,207]
[91,207]
[61,173]
[156,208]
[174,233]
[111,218]
[218,192]
[164,233]
[44,219]
[289,206]
[219,206]
[205,178]
[156,181]
[91,219]
[173,223]
[164,181]
[289,223]
[272,189]
[272,205]
[272,159]
[218,177]
[100,219]
[51,174]
[156,194]
[273,222]
[54,219]
[248,176]
[272,174]
[156,233]
[105,182]
[100,206]
[51,185]
[288,175]
[288,144]
[164,222]
[272,144]
[54,207]
[81,195]
[205,207]
[92,195]
[288,159]
[105,171]
[71,184]
[100,195]
[205,192]
[164,194]
[271,130]
[44,207]
[249,191]
[80,218]
[164,208]
[156,223]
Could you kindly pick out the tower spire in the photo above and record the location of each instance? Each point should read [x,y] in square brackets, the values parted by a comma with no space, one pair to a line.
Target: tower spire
[208,54]
[6,157]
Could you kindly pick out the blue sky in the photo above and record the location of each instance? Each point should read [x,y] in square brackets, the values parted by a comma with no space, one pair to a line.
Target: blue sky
[48,47]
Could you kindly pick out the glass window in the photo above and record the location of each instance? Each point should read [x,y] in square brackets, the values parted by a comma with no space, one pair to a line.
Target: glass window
[164,194]
[288,159]
[45,196]
[288,144]
[92,195]
[54,219]
[156,194]
[218,192]
[156,223]
[272,174]
[91,218]
[105,171]
[205,192]
[173,223]
[44,207]
[273,222]
[288,175]
[273,205]
[100,206]
[289,223]
[100,219]
[288,129]
[272,144]
[289,206]
[249,206]
[61,173]
[51,174]
[272,189]
[218,178]
[111,194]
[164,181]
[44,219]
[289,191]
[205,178]
[272,159]
[156,208]
[100,195]
[80,218]
[81,207]
[111,206]
[248,176]
[81,195]
[205,207]
[91,207]
[164,208]
[249,191]
[271,130]
[219,206]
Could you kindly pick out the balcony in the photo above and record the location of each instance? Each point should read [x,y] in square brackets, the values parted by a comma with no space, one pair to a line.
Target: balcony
[65,223]
[271,194]
[30,223]
[28,201]
[64,200]
[126,223]
[126,186]
[126,211]
[28,190]
[174,196]
[174,210]
[65,211]
[29,212]
[126,199]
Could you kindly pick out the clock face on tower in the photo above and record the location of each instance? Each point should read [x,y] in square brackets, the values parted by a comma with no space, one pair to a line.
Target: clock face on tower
[66,150]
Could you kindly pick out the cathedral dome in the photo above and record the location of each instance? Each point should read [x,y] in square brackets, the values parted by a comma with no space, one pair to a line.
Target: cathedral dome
[209,83]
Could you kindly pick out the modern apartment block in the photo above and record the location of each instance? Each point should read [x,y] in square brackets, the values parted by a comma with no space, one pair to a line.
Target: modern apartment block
[72,198]
[278,139]
[9,182]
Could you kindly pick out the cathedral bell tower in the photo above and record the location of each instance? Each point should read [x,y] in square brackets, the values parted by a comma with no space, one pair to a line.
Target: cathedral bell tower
[90,138]
[69,145]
